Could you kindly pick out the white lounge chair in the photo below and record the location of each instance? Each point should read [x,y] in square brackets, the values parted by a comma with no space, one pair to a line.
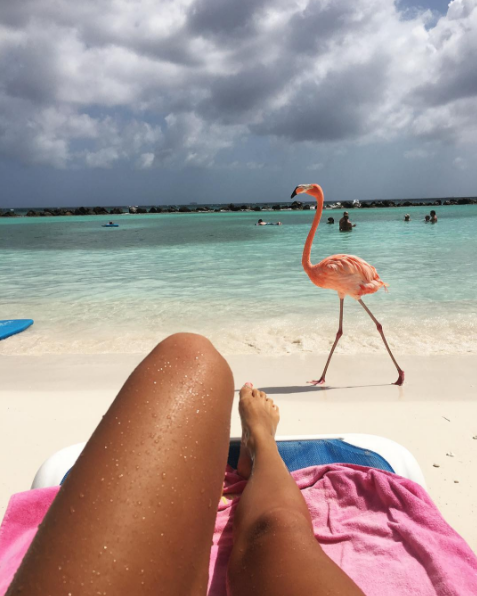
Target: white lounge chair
[53,470]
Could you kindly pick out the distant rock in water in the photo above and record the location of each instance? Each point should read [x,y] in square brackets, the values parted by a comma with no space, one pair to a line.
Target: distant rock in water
[297,205]
[9,214]
[32,213]
[84,211]
[184,209]
[116,211]
[101,211]
[133,210]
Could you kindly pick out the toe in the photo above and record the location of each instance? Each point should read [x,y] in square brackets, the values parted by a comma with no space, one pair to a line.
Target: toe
[246,390]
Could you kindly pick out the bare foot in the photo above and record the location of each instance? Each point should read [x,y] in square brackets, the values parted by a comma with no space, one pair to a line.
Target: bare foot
[260,417]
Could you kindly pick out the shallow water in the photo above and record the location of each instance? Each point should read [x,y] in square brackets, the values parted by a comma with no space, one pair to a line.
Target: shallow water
[94,290]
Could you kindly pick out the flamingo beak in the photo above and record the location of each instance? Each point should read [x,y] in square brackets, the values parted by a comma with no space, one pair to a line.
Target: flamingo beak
[294,193]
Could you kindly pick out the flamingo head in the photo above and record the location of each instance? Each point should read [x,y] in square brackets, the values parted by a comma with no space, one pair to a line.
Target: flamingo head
[311,189]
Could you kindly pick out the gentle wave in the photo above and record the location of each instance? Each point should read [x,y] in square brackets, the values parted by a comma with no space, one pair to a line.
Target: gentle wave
[120,333]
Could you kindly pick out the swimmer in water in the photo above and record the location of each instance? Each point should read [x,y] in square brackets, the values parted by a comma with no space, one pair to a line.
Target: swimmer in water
[331,220]
[427,219]
[407,217]
[268,223]
[345,224]
[433,217]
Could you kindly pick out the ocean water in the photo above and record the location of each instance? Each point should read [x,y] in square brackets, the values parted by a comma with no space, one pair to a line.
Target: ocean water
[97,290]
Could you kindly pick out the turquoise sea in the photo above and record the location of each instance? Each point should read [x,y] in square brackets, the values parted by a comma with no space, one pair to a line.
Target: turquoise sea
[97,290]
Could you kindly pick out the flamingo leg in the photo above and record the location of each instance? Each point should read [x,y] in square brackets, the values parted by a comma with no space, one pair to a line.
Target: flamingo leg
[338,335]
[379,327]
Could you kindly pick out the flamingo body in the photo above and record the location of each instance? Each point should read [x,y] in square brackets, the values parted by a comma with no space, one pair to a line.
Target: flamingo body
[346,274]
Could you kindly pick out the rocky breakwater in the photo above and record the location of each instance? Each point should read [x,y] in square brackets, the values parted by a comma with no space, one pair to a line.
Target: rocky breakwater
[231,207]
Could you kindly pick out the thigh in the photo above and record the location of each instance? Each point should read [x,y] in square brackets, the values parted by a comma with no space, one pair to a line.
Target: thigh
[136,514]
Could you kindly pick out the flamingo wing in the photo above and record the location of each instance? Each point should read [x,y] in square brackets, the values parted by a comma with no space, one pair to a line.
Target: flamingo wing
[348,275]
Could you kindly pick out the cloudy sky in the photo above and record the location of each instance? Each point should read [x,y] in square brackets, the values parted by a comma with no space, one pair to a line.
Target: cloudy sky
[171,101]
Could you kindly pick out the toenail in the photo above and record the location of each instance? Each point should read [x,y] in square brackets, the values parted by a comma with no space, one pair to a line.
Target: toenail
[248,384]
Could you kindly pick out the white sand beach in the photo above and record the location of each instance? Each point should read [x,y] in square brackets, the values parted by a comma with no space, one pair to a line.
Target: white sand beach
[49,402]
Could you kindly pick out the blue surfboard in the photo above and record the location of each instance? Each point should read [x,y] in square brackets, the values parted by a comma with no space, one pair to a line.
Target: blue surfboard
[13,326]
[110,226]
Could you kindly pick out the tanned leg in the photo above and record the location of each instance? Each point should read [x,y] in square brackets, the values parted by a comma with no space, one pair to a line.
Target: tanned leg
[136,514]
[275,552]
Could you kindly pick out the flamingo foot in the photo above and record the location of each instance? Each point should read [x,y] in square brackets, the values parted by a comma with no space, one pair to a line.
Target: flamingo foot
[319,382]
[400,380]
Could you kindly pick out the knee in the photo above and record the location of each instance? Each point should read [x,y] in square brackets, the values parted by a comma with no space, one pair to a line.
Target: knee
[193,349]
[278,520]
[379,327]
[339,334]
[186,344]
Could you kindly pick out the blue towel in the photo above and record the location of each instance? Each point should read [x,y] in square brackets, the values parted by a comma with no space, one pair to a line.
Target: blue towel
[315,452]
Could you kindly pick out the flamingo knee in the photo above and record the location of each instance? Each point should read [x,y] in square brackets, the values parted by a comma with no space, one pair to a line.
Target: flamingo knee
[379,327]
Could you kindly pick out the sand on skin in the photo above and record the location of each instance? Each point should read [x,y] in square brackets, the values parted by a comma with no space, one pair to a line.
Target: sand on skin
[49,402]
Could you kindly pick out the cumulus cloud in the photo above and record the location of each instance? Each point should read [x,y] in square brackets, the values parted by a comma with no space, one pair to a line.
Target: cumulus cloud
[175,83]
[145,161]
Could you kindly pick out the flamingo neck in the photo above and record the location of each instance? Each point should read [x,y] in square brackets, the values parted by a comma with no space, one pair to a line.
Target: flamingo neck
[305,261]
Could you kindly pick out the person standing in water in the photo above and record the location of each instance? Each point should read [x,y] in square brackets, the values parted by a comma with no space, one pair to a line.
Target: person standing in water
[433,217]
[345,224]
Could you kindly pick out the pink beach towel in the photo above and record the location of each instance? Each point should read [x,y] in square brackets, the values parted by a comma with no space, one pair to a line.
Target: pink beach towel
[383,530]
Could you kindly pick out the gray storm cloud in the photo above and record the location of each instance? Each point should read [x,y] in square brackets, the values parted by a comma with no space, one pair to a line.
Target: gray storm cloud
[172,83]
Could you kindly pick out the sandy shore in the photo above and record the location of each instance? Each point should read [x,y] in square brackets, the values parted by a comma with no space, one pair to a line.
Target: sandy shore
[49,402]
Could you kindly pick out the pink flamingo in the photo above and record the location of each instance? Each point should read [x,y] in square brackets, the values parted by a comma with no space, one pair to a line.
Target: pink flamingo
[346,274]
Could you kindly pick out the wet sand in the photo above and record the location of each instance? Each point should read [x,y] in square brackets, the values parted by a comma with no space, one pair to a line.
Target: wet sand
[49,402]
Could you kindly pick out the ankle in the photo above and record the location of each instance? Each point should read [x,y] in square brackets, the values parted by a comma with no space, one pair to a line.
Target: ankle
[261,440]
